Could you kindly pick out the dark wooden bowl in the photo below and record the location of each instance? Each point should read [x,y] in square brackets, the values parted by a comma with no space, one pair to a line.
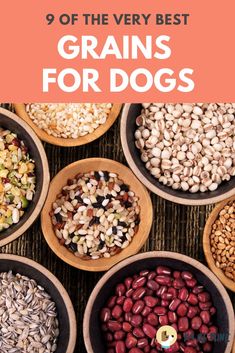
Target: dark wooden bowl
[12,122]
[66,315]
[132,154]
[91,326]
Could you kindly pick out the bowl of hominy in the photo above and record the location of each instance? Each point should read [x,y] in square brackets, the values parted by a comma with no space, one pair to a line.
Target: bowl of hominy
[183,152]
[96,214]
[24,176]
[68,124]
[36,312]
[219,242]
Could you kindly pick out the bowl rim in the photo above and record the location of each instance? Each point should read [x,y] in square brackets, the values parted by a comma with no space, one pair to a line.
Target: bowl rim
[64,294]
[88,265]
[183,201]
[45,182]
[207,247]
[151,254]
[58,141]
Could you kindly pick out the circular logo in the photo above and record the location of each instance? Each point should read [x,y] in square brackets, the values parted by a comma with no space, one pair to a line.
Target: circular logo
[166,336]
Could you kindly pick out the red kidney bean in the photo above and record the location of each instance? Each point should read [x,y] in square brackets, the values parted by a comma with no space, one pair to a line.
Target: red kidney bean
[111,302]
[196,323]
[198,289]
[149,292]
[131,342]
[191,282]
[192,343]
[138,332]
[120,347]
[128,282]
[183,324]
[183,294]
[120,289]
[163,320]
[163,270]
[204,329]
[117,312]
[167,296]
[165,303]
[212,310]
[172,317]
[139,282]
[136,320]
[109,337]
[129,292]
[174,348]
[182,310]
[151,284]
[127,305]
[213,330]
[204,297]
[186,275]
[105,315]
[126,326]
[147,349]
[205,316]
[192,299]
[178,283]
[119,335]
[142,342]
[138,307]
[177,274]
[189,350]
[151,275]
[192,311]
[104,327]
[160,310]
[175,326]
[152,319]
[173,292]
[138,293]
[174,304]
[120,300]
[161,290]
[144,273]
[135,350]
[207,347]
[149,330]
[128,317]
[114,325]
[163,280]
[150,301]
[205,306]
[146,311]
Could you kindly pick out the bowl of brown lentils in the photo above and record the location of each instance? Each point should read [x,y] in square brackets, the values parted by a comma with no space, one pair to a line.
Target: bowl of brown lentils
[36,313]
[219,242]
[183,152]
[97,213]
[24,176]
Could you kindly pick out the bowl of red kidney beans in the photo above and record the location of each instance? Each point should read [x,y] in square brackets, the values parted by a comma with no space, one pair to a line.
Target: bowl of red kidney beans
[139,295]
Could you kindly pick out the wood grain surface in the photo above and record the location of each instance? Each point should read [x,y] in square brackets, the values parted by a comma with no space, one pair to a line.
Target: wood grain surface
[175,227]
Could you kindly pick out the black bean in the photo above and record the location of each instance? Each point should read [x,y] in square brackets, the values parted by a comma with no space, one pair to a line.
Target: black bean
[58,217]
[122,224]
[100,198]
[137,221]
[114,230]
[97,176]
[106,176]
[73,247]
[128,204]
[124,187]
[92,221]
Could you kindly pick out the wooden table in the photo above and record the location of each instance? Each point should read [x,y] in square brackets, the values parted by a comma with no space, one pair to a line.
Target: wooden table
[175,227]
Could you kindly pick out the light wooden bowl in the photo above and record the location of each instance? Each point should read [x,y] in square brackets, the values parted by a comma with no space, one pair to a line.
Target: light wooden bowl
[20,110]
[132,154]
[66,314]
[207,247]
[150,260]
[10,121]
[83,166]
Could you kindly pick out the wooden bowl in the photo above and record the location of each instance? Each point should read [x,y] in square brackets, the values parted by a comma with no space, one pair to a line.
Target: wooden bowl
[66,315]
[132,154]
[20,110]
[10,121]
[207,247]
[103,290]
[83,166]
